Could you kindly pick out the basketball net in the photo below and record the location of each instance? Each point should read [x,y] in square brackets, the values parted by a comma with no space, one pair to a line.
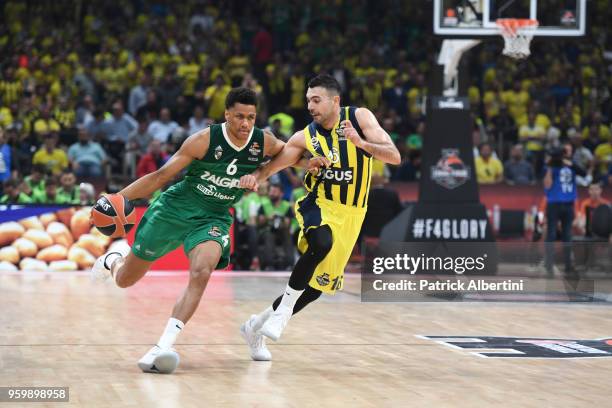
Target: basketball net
[517,33]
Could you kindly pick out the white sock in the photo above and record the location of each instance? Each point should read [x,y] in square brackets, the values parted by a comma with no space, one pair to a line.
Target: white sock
[110,258]
[173,328]
[290,297]
[262,317]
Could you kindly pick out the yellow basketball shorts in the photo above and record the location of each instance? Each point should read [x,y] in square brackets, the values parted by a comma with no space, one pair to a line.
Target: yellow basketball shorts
[345,223]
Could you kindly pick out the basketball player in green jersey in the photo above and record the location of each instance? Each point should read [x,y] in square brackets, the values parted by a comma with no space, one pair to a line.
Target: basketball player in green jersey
[193,212]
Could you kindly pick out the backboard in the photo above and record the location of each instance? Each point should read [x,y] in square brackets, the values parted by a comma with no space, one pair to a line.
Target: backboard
[476,18]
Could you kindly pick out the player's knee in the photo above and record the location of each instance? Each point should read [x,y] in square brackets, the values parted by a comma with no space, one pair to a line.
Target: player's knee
[321,240]
[199,274]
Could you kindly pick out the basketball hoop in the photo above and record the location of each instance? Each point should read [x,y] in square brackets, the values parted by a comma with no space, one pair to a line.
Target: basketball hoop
[517,33]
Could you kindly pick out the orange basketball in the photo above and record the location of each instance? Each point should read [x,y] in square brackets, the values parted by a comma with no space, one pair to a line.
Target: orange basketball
[113,215]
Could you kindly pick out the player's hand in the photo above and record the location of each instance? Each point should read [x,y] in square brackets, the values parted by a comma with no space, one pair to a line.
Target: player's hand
[351,133]
[315,164]
[249,182]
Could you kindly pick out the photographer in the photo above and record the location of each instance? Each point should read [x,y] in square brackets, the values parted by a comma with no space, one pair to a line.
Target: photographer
[560,189]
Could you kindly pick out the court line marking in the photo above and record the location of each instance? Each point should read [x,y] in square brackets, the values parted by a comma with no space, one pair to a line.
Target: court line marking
[509,351]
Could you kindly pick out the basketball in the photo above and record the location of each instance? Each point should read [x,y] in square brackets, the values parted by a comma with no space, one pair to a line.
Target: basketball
[113,215]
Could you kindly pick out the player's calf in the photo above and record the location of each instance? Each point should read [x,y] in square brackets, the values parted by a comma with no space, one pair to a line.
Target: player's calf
[129,270]
[199,274]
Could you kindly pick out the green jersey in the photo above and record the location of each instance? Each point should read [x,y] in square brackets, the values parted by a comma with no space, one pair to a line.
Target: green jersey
[36,187]
[22,198]
[69,197]
[213,180]
[247,207]
[196,209]
[281,209]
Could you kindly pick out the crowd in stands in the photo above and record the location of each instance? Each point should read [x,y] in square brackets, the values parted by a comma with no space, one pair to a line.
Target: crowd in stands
[107,91]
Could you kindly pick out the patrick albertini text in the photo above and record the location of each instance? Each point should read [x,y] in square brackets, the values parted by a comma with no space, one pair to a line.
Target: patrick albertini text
[414,264]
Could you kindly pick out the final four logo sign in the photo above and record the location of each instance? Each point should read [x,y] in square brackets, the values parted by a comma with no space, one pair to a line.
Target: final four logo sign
[450,171]
[527,347]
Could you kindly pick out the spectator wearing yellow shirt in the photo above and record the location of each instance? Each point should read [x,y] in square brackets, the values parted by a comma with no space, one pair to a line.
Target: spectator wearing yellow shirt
[517,100]
[297,89]
[237,65]
[54,159]
[603,157]
[202,84]
[215,98]
[563,121]
[492,100]
[532,134]
[62,86]
[603,130]
[277,78]
[380,170]
[6,117]
[489,169]
[45,123]
[65,114]
[533,137]
[188,72]
[541,119]
[372,92]
[416,95]
[11,88]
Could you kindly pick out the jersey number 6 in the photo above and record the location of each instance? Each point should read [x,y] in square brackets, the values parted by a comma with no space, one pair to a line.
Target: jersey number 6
[232,168]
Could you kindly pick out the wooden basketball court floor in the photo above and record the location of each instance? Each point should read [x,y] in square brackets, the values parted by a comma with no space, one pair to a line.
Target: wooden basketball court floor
[62,330]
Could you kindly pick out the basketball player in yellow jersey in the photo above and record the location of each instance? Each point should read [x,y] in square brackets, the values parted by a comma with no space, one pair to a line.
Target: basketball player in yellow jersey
[343,141]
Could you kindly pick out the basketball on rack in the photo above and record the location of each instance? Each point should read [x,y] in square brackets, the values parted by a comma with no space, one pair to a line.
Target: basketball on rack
[113,215]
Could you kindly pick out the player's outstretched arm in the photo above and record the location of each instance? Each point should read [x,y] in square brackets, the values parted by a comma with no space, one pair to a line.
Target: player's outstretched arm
[272,144]
[194,147]
[287,155]
[377,141]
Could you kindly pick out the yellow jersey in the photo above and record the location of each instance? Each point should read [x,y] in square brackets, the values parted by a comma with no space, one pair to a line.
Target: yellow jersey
[55,161]
[347,180]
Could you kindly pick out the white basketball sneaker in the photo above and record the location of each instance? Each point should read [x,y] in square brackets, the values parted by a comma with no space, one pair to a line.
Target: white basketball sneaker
[100,271]
[255,340]
[276,323]
[159,361]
